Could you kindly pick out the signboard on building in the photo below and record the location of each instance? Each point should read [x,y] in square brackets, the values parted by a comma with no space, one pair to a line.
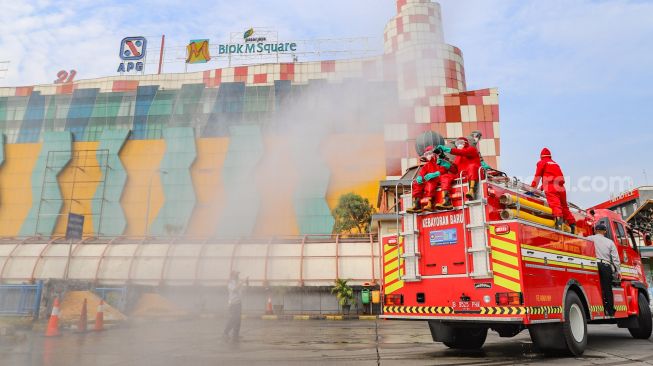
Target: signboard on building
[620,199]
[256,42]
[197,51]
[132,52]
[75,227]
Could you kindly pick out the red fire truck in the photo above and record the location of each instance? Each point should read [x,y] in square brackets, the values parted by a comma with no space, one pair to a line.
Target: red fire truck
[497,263]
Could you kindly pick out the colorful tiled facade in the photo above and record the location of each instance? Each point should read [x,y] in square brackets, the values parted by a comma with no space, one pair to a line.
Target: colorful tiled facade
[243,168]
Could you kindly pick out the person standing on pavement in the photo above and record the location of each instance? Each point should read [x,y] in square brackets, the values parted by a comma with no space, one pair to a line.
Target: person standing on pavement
[606,253]
[235,294]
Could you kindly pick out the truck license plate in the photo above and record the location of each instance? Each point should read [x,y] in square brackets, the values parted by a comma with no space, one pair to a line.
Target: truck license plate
[466,305]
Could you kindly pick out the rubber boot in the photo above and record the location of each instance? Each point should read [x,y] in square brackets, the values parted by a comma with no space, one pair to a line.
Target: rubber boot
[429,206]
[471,194]
[416,206]
[572,227]
[558,223]
[446,202]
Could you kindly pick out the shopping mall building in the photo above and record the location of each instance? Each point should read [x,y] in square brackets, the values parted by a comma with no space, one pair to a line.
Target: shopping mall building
[251,151]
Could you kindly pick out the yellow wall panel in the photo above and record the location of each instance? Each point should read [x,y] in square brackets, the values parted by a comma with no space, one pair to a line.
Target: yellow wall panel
[357,164]
[78,182]
[276,178]
[143,195]
[207,182]
[16,186]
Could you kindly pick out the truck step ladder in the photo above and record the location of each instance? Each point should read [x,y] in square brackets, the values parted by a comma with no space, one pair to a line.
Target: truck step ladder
[410,235]
[477,234]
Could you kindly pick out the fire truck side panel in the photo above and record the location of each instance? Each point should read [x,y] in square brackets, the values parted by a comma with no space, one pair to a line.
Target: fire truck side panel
[441,244]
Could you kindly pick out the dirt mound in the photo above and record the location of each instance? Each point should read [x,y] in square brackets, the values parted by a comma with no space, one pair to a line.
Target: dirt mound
[71,307]
[155,305]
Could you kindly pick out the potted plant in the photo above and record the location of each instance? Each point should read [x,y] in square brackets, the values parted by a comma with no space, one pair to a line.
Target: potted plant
[344,293]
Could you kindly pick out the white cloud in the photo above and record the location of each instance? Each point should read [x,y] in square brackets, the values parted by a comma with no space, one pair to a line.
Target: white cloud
[42,37]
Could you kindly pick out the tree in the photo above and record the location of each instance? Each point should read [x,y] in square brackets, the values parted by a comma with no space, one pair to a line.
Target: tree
[352,212]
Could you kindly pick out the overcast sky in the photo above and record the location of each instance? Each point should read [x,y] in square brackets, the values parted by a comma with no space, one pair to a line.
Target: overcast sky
[575,76]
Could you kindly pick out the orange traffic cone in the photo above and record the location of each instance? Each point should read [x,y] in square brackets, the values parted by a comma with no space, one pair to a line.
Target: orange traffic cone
[53,324]
[83,319]
[99,317]
[268,307]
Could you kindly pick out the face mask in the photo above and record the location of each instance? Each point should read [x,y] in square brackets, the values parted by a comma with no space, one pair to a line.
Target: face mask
[428,156]
[460,145]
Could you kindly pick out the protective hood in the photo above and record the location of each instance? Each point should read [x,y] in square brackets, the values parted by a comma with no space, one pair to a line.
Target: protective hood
[545,153]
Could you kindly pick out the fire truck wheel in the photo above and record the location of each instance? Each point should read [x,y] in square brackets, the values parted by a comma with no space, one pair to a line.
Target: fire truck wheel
[575,326]
[467,338]
[643,331]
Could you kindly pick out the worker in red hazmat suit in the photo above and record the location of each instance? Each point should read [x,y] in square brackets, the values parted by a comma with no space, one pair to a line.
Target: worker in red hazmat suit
[468,162]
[553,185]
[425,184]
[448,174]
[475,140]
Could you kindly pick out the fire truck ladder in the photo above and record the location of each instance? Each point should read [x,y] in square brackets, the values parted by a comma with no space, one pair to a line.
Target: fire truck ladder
[409,236]
[476,233]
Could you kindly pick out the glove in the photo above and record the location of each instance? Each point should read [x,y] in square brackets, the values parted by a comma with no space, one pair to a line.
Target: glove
[430,176]
[444,163]
[485,165]
[419,179]
[444,148]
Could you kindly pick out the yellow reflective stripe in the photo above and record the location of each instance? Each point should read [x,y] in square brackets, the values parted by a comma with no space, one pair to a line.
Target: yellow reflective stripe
[392,276]
[531,259]
[509,284]
[553,251]
[511,235]
[563,264]
[391,266]
[395,286]
[504,245]
[506,271]
[505,258]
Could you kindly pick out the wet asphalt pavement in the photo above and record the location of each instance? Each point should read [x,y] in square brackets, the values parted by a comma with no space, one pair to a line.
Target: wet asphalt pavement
[299,342]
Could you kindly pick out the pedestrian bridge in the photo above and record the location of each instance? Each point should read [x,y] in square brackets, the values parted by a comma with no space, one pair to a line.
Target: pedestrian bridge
[310,260]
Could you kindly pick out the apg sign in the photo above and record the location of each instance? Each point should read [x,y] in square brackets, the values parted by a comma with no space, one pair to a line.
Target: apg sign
[132,51]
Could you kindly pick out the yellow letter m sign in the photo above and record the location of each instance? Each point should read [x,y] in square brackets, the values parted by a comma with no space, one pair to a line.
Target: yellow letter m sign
[197,51]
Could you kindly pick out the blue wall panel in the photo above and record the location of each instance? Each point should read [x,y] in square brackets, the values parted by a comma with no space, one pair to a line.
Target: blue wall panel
[144,97]
[242,202]
[177,182]
[108,215]
[80,110]
[46,195]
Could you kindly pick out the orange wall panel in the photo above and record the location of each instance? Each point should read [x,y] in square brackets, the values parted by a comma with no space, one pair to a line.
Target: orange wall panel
[207,182]
[16,186]
[357,164]
[78,182]
[143,195]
